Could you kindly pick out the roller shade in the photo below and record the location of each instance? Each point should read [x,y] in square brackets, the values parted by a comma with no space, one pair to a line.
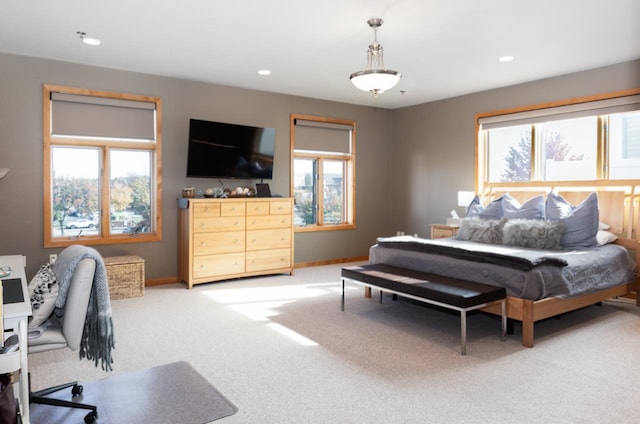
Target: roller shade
[322,136]
[88,116]
[578,110]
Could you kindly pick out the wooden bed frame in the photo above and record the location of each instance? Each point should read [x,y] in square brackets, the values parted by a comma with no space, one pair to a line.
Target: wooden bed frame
[618,207]
[530,311]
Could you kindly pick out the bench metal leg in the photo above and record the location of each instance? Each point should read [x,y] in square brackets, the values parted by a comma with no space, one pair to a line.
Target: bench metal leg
[463,331]
[342,305]
[504,320]
[381,297]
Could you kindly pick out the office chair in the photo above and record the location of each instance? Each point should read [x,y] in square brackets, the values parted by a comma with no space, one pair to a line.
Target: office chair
[66,332]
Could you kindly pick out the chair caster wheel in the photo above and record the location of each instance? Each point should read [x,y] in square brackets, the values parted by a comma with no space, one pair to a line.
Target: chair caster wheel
[91,417]
[77,390]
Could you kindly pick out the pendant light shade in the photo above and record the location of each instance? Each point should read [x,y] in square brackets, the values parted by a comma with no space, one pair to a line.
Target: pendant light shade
[376,78]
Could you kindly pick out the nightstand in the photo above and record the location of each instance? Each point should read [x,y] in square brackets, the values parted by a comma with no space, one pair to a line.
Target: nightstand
[442,231]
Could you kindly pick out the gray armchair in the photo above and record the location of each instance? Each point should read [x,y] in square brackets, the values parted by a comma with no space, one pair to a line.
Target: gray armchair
[66,332]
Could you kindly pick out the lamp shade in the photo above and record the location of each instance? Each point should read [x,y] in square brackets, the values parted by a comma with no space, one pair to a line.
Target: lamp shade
[465,198]
[3,172]
[375,80]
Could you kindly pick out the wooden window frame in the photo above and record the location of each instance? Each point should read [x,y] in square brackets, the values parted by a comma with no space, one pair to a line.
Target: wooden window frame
[482,184]
[349,185]
[155,147]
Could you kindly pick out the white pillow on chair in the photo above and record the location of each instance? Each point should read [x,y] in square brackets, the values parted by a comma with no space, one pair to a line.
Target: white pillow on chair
[43,291]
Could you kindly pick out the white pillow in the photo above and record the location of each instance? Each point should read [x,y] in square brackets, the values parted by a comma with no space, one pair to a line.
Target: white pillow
[605,237]
[43,291]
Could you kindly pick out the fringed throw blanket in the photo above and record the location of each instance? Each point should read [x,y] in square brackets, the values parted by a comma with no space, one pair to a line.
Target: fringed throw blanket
[97,338]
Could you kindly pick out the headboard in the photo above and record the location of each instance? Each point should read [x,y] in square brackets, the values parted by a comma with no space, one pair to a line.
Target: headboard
[617,204]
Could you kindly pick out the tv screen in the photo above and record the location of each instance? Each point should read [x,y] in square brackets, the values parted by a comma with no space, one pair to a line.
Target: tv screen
[222,150]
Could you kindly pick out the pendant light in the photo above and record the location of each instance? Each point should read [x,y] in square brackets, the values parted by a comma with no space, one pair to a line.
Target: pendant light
[376,78]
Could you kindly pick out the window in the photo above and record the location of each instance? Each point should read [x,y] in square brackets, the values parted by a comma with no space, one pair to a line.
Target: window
[323,172]
[582,141]
[101,178]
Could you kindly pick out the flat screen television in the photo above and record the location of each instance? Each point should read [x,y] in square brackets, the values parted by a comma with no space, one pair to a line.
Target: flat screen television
[222,150]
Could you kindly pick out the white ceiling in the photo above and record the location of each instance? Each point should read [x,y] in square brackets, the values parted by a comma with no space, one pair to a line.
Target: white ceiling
[443,48]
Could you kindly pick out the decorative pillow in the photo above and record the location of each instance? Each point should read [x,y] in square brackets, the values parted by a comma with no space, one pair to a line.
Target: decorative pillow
[492,211]
[43,291]
[481,230]
[580,222]
[531,209]
[605,237]
[533,233]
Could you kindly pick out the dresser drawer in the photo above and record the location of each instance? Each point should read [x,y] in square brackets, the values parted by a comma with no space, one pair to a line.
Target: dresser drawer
[268,239]
[222,242]
[232,208]
[270,221]
[229,223]
[257,208]
[214,265]
[206,210]
[268,259]
[281,208]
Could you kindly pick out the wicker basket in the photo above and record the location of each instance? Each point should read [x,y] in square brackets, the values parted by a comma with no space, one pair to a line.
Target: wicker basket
[126,276]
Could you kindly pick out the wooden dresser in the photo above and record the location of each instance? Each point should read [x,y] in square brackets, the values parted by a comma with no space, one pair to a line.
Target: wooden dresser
[221,239]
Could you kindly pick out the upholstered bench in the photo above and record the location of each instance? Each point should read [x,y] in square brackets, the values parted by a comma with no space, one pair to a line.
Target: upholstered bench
[459,295]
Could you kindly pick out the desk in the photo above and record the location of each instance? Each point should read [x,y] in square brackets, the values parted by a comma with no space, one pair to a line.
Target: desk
[15,314]
[17,306]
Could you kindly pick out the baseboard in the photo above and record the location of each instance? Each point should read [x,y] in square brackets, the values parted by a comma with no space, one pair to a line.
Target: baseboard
[173,280]
[330,262]
[161,281]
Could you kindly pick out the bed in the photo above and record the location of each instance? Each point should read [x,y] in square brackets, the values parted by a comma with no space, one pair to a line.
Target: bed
[554,270]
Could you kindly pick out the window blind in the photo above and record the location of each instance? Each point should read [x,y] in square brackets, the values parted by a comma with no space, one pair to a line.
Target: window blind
[89,116]
[578,110]
[322,136]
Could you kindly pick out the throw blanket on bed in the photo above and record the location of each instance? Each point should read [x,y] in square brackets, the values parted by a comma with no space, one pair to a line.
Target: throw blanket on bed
[97,338]
[512,257]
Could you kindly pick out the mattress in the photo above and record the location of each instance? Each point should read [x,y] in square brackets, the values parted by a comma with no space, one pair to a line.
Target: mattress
[571,273]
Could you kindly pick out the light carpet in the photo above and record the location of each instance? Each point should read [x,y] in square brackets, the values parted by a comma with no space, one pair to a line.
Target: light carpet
[167,394]
[282,350]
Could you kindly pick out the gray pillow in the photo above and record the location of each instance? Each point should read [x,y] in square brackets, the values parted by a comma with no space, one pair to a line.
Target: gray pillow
[533,233]
[580,222]
[481,230]
[492,211]
[531,209]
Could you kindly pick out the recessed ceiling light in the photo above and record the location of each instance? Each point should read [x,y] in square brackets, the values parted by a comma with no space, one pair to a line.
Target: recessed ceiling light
[264,72]
[88,40]
[506,58]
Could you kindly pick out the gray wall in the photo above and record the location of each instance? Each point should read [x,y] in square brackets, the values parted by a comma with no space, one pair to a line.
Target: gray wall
[433,144]
[21,191]
[411,162]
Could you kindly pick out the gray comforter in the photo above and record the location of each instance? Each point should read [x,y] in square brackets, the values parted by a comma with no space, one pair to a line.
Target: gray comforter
[560,273]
